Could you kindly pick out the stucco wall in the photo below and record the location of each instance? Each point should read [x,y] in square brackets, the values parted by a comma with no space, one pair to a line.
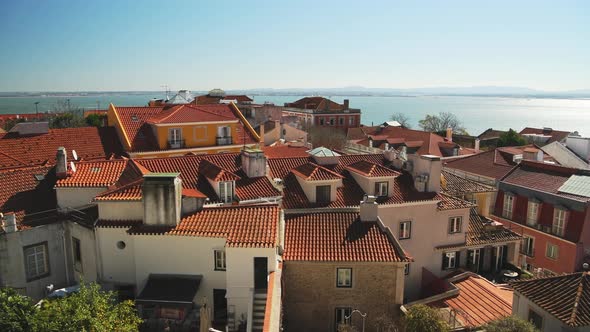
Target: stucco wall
[88,271]
[309,188]
[76,197]
[368,184]
[311,297]
[116,265]
[120,210]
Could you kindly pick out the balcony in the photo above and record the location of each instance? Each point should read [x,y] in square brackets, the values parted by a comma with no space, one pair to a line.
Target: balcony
[223,140]
[530,252]
[176,144]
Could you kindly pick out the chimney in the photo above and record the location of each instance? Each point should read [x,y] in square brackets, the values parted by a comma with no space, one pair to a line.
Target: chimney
[61,166]
[449,134]
[253,162]
[162,199]
[477,145]
[426,169]
[369,209]
[346,103]
[9,224]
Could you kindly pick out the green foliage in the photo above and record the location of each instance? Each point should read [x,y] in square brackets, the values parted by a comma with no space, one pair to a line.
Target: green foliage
[67,120]
[17,312]
[95,120]
[510,324]
[442,121]
[90,309]
[511,138]
[8,124]
[422,318]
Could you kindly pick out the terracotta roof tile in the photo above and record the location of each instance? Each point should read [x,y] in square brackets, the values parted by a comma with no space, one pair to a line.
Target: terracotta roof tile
[370,169]
[215,173]
[337,236]
[129,192]
[242,226]
[317,104]
[454,185]
[556,135]
[90,143]
[566,297]
[194,113]
[133,123]
[285,151]
[94,174]
[314,172]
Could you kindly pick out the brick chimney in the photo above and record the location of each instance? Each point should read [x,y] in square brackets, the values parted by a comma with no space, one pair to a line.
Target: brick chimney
[449,134]
[369,209]
[253,162]
[9,222]
[61,166]
[162,199]
[346,104]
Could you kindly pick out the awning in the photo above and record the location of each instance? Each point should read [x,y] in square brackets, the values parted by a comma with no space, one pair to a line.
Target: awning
[170,288]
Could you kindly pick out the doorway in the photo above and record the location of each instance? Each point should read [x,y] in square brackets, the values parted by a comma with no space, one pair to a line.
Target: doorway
[219,306]
[260,272]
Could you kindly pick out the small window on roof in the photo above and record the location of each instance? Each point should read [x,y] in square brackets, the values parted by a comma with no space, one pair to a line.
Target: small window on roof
[95,169]
[134,117]
[39,177]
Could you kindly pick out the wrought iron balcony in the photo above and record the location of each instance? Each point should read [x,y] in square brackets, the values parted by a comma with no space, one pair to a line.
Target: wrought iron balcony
[176,144]
[224,140]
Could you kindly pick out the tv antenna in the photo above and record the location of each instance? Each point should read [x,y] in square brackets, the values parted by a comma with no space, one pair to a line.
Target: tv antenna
[166,88]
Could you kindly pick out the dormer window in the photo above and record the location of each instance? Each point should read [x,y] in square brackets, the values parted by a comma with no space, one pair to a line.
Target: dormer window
[134,118]
[381,189]
[226,191]
[323,194]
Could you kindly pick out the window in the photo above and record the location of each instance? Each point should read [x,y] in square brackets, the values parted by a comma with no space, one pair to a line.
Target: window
[351,120]
[340,316]
[322,194]
[508,204]
[381,188]
[407,269]
[455,225]
[533,213]
[552,251]
[174,136]
[121,245]
[332,121]
[321,121]
[536,319]
[528,246]
[36,261]
[223,131]
[344,277]
[450,260]
[405,230]
[559,218]
[219,260]
[341,121]
[77,248]
[226,191]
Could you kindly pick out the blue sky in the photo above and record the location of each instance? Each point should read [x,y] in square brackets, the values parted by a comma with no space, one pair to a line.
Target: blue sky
[141,45]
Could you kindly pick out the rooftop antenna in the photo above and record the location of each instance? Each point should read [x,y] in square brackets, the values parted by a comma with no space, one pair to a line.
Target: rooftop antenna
[165,86]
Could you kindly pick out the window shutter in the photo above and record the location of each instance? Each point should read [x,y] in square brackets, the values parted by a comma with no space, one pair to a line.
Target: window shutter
[450,225]
[376,188]
[445,261]
[457,259]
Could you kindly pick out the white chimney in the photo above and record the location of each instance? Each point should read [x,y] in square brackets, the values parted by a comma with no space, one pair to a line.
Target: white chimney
[9,224]
[369,209]
[253,162]
[449,134]
[477,145]
[426,169]
[162,199]
[61,166]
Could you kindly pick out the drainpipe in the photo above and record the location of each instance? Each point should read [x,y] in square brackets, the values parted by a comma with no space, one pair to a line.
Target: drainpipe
[63,235]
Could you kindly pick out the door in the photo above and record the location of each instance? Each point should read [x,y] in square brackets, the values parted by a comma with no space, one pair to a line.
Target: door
[219,306]
[260,272]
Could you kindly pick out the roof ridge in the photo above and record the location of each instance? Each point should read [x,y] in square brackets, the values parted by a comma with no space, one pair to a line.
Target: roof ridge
[325,169]
[579,292]
[174,111]
[200,108]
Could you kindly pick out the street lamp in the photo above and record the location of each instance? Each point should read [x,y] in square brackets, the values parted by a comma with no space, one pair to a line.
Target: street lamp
[364,316]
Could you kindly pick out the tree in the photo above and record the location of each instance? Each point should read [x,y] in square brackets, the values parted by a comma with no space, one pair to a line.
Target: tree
[67,115]
[327,137]
[510,324]
[90,309]
[511,138]
[17,312]
[442,121]
[95,120]
[402,119]
[422,318]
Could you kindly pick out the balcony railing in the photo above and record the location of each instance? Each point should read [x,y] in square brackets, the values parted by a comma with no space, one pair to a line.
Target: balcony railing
[224,140]
[176,144]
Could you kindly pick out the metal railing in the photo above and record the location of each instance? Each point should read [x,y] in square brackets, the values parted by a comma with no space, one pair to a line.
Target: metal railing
[223,140]
[176,144]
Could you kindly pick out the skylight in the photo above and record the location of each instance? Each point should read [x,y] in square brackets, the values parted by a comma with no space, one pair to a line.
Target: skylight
[577,185]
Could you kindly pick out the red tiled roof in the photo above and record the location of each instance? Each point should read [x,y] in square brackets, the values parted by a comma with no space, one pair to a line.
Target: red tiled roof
[94,174]
[238,98]
[129,192]
[27,190]
[455,185]
[215,173]
[337,236]
[479,301]
[285,151]
[133,123]
[556,135]
[242,226]
[194,113]
[566,297]
[370,169]
[314,172]
[316,103]
[90,143]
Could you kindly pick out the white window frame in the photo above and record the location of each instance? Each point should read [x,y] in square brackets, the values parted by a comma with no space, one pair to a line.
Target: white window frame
[174,136]
[351,120]
[559,221]
[226,191]
[36,261]
[341,121]
[532,215]
[455,225]
[508,206]
[552,251]
[382,188]
[344,277]
[219,260]
[344,312]
[405,229]
[528,245]
[451,258]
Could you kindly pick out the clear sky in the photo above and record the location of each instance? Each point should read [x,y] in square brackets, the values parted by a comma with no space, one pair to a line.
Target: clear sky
[78,45]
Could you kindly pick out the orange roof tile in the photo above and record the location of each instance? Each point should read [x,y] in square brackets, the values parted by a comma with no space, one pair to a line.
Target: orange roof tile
[215,173]
[337,236]
[370,169]
[285,151]
[94,174]
[194,113]
[242,226]
[314,172]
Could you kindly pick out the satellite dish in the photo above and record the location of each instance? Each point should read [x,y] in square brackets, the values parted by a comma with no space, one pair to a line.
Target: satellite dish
[72,166]
[75,155]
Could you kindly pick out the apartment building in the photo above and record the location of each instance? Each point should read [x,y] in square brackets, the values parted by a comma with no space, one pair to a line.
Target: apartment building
[323,112]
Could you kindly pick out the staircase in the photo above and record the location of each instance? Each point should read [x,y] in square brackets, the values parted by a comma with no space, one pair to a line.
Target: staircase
[259,309]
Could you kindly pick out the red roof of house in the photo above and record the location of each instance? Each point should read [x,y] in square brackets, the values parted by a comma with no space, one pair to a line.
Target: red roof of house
[238,98]
[369,169]
[314,172]
[479,301]
[194,113]
[90,143]
[27,190]
[566,297]
[316,103]
[242,226]
[94,174]
[556,135]
[215,173]
[285,151]
[133,123]
[338,236]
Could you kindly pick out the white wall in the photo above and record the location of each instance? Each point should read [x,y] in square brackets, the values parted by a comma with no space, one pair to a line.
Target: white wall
[309,188]
[368,184]
[89,272]
[116,265]
[429,230]
[120,210]
[76,197]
